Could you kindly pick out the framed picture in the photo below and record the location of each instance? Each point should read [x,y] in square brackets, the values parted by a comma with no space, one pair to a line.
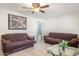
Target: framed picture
[17,22]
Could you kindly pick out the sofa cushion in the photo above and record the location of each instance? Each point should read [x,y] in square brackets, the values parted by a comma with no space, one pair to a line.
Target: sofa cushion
[53,40]
[73,42]
[22,43]
[6,41]
[56,40]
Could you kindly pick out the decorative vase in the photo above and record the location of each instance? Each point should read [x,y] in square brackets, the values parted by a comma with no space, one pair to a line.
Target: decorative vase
[63,45]
[63,51]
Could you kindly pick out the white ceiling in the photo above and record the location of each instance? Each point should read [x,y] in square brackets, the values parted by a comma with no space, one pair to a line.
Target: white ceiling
[55,9]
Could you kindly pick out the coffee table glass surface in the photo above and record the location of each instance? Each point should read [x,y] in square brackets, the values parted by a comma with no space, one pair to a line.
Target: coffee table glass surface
[54,50]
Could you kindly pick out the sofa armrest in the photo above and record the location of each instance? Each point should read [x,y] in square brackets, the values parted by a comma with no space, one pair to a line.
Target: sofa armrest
[46,36]
[73,42]
[31,38]
[78,40]
[3,41]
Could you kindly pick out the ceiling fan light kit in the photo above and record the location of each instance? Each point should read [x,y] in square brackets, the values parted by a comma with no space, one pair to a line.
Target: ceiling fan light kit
[37,8]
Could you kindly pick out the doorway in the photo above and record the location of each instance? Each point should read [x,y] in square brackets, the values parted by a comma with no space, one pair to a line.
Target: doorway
[39,33]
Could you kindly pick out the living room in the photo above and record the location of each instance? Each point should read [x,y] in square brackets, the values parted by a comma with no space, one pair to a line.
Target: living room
[61,19]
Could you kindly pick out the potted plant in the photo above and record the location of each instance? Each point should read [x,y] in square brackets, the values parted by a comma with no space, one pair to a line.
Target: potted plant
[63,44]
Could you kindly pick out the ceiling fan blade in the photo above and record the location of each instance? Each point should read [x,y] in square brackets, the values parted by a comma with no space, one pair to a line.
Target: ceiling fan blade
[27,7]
[42,11]
[45,6]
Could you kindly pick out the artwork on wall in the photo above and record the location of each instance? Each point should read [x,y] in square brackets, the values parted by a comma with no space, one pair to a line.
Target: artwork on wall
[17,22]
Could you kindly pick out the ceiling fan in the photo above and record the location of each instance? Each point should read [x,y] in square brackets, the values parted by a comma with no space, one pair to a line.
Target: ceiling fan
[36,7]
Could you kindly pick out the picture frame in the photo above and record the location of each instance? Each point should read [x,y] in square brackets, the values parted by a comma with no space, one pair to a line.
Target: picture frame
[17,22]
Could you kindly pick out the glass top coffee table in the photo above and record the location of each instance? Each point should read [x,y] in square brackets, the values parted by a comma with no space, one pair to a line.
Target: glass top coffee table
[54,50]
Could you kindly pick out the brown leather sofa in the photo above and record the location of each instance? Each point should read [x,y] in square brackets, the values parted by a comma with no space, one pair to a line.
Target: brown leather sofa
[55,38]
[15,42]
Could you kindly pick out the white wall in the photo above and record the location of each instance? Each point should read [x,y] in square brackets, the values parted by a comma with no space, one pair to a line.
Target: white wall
[68,23]
[31,23]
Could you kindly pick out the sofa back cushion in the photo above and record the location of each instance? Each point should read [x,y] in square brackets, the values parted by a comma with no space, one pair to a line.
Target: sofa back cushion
[67,36]
[15,37]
